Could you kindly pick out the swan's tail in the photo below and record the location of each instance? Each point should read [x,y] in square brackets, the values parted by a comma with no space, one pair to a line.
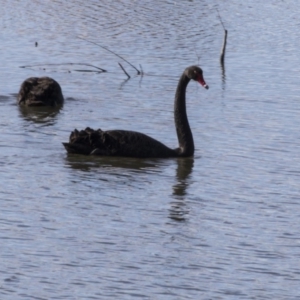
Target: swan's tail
[77,148]
[86,142]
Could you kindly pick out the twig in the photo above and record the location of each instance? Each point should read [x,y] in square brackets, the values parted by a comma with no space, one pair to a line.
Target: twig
[72,64]
[124,70]
[138,71]
[142,72]
[198,57]
[220,19]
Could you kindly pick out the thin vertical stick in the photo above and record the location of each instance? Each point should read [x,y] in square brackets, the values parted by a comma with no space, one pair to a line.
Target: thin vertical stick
[222,57]
[223,48]
[220,19]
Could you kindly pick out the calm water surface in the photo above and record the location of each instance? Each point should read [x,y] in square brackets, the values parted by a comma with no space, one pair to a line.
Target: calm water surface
[221,225]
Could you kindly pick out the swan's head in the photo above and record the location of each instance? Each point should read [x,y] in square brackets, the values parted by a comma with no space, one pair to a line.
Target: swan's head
[196,73]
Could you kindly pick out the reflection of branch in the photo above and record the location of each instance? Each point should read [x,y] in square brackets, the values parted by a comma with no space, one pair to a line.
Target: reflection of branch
[223,75]
[142,73]
[124,70]
[123,83]
[63,64]
[138,71]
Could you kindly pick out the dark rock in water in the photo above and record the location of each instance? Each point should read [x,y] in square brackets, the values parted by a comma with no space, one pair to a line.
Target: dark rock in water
[40,91]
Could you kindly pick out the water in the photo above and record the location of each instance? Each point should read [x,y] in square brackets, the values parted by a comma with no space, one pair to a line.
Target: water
[223,225]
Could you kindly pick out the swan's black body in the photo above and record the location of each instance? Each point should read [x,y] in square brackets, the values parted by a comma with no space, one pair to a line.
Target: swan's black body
[116,143]
[135,144]
[40,91]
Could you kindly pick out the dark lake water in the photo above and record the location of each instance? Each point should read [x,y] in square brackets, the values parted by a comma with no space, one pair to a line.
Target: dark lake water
[222,225]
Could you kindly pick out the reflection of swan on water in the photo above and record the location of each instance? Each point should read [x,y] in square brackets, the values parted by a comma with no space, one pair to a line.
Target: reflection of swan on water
[135,144]
[178,209]
[85,163]
[184,169]
[39,114]
[40,91]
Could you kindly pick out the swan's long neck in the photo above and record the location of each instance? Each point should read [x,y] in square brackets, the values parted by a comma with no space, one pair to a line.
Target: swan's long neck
[184,133]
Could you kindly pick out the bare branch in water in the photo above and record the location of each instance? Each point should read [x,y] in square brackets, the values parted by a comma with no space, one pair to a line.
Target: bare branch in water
[198,56]
[222,57]
[63,64]
[142,72]
[124,70]
[220,19]
[138,71]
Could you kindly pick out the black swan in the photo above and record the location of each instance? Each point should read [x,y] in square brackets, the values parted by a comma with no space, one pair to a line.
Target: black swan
[136,144]
[40,91]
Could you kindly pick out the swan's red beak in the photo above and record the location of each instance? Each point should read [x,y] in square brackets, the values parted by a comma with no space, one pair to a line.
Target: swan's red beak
[201,80]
